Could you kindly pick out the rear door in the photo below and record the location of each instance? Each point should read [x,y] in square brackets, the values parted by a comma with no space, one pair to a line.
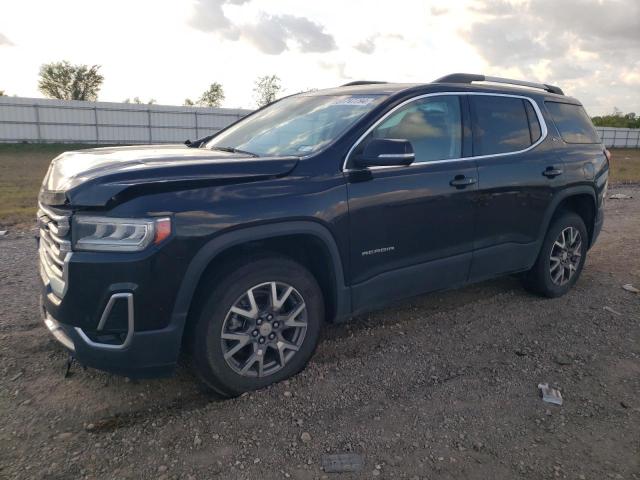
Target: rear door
[411,227]
[517,175]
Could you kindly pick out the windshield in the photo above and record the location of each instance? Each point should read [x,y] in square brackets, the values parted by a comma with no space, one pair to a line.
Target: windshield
[298,125]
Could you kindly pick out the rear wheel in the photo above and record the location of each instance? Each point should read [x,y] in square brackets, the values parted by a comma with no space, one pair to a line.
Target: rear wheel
[561,257]
[259,326]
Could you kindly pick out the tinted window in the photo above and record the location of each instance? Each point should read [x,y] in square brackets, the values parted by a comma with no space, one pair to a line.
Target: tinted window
[432,125]
[573,123]
[534,124]
[500,125]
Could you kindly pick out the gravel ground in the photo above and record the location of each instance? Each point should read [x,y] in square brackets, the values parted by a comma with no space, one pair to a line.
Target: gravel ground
[443,386]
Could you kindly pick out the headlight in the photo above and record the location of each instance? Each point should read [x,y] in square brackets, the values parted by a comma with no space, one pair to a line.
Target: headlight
[105,234]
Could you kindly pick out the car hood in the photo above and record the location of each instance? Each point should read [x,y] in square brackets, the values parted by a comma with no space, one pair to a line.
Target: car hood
[94,177]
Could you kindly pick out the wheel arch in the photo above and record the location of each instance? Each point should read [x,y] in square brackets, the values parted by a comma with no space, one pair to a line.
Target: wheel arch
[268,237]
[581,200]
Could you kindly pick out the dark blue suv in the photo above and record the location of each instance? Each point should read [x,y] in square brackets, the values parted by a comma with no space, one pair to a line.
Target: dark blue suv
[237,247]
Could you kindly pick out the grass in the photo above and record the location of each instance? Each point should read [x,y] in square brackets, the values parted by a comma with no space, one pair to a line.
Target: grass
[22,168]
[625,165]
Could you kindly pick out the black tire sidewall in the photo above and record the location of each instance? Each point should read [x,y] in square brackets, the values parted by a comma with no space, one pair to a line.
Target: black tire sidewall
[541,280]
[208,355]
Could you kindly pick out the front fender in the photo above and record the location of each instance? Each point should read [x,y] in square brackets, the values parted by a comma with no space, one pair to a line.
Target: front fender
[224,241]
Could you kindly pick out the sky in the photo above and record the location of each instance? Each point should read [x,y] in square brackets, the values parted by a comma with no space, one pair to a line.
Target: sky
[169,50]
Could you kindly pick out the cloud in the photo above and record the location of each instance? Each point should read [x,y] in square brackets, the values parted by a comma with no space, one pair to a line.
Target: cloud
[309,36]
[5,41]
[339,68]
[528,33]
[369,45]
[271,34]
[437,11]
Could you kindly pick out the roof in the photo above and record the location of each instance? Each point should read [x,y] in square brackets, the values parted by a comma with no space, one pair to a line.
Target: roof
[381,88]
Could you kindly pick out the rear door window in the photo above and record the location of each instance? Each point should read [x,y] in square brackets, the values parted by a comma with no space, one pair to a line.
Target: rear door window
[501,125]
[572,122]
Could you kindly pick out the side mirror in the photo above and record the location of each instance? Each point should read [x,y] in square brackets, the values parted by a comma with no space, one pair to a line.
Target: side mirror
[386,152]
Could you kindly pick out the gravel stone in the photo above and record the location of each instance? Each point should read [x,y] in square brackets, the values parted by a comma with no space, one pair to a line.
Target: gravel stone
[395,388]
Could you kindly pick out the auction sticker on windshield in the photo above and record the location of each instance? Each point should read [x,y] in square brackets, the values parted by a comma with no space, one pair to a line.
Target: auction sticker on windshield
[354,101]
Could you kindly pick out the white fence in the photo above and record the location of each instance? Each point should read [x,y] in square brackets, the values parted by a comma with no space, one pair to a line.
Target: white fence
[37,120]
[619,137]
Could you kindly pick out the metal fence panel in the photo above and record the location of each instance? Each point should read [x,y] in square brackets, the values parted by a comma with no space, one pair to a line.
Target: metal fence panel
[68,133]
[122,117]
[619,137]
[19,113]
[46,121]
[16,132]
[124,134]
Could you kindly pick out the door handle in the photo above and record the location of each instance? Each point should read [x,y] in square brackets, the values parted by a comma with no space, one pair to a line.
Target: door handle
[551,172]
[460,181]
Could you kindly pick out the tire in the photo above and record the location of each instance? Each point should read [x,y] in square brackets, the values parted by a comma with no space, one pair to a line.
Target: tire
[544,277]
[229,308]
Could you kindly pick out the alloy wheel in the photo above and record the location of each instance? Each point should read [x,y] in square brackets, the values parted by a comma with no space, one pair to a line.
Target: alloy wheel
[264,329]
[566,255]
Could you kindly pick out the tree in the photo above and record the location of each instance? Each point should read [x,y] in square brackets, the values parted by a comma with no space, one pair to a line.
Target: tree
[617,119]
[2,93]
[213,96]
[188,102]
[266,89]
[137,101]
[70,82]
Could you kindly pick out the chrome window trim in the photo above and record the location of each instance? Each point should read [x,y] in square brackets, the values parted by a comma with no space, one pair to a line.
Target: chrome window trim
[536,108]
[103,319]
[397,155]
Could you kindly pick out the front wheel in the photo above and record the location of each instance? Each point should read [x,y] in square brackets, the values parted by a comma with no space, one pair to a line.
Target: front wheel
[561,257]
[259,326]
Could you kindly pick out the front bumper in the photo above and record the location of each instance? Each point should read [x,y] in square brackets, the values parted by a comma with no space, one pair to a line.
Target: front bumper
[145,354]
[115,312]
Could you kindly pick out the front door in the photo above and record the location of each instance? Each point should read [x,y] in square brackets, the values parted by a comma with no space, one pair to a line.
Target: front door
[411,228]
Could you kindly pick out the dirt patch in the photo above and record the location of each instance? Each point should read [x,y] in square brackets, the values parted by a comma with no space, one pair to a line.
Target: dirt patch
[443,386]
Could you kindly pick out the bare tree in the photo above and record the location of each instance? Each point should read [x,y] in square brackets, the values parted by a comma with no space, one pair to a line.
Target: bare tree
[213,96]
[266,89]
[70,82]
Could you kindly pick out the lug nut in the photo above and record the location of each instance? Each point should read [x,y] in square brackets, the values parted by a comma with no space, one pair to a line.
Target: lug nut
[255,333]
[276,324]
[269,317]
[259,321]
[272,336]
[261,340]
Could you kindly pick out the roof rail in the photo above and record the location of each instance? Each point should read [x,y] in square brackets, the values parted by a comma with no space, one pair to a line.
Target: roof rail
[361,82]
[472,77]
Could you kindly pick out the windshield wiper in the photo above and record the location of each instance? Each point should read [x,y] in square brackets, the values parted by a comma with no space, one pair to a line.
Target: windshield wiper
[235,150]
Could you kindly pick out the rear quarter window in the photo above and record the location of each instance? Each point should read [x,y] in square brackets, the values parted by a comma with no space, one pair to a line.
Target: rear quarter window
[572,122]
